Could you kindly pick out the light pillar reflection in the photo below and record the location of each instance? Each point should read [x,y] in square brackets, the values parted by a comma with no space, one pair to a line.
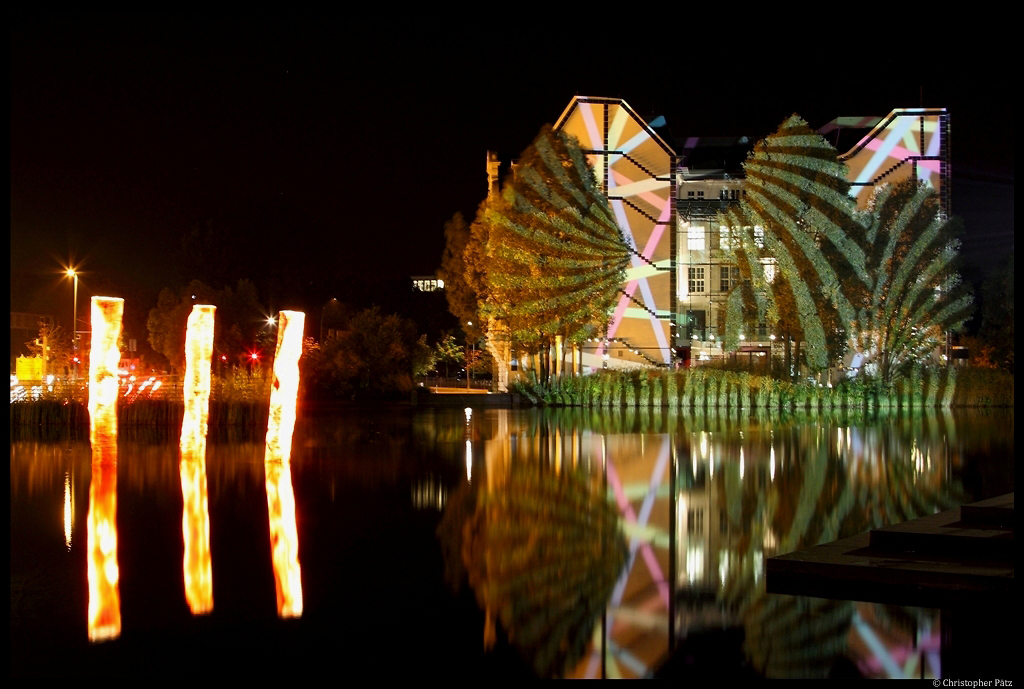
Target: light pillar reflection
[195,516]
[284,538]
[69,508]
[103,574]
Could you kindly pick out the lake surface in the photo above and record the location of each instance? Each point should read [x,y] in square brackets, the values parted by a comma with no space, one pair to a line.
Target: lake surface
[499,543]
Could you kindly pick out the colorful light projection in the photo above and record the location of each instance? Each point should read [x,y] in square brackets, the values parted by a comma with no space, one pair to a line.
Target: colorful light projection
[906,143]
[103,572]
[195,517]
[284,537]
[634,167]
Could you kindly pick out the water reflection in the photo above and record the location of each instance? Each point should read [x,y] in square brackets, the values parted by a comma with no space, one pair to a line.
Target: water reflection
[771,488]
[103,573]
[659,482]
[702,501]
[69,508]
[542,551]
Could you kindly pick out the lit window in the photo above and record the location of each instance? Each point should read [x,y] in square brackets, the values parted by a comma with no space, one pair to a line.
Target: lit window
[724,238]
[759,236]
[695,238]
[696,281]
[769,269]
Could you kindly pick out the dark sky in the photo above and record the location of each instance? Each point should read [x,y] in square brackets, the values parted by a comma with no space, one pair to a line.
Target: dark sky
[330,155]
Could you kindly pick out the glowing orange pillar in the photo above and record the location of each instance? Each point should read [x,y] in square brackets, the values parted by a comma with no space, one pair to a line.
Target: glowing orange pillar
[103,572]
[195,516]
[284,538]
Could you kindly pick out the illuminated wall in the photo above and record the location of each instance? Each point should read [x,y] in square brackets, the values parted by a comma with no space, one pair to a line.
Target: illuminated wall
[634,168]
[907,143]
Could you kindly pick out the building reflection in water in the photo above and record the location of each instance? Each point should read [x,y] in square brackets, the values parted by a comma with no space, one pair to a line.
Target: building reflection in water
[772,488]
[284,538]
[195,518]
[700,501]
[104,621]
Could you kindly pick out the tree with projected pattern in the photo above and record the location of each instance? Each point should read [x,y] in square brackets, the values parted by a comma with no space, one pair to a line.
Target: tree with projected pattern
[555,257]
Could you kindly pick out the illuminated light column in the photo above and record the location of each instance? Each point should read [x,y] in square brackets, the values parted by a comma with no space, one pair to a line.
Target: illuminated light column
[103,571]
[284,537]
[195,516]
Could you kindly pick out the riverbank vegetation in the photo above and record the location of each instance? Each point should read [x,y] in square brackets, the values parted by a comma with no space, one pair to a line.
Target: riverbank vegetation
[706,387]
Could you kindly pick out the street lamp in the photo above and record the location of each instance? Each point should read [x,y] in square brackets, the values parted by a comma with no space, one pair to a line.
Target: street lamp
[74,321]
[468,374]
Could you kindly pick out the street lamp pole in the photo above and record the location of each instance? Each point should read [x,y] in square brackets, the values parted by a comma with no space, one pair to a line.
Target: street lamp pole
[74,323]
[470,324]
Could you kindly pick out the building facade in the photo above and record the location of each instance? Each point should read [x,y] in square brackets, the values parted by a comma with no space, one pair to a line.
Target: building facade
[666,196]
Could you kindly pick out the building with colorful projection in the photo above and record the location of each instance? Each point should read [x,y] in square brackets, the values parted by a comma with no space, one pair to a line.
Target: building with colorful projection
[666,195]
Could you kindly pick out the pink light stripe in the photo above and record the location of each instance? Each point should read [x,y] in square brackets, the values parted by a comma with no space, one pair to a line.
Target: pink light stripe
[648,196]
[620,309]
[652,603]
[656,233]
[898,152]
[887,139]
[645,548]
[929,644]
[586,110]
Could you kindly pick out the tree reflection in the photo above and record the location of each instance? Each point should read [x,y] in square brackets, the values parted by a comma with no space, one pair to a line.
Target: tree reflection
[834,481]
[542,550]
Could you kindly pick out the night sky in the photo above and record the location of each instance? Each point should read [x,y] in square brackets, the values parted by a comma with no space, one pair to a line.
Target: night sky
[324,158]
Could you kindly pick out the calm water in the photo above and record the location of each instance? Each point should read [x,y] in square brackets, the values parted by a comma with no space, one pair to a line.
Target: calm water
[505,543]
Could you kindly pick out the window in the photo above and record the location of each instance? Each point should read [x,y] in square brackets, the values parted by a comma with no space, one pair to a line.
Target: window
[769,269]
[724,237]
[689,194]
[696,280]
[700,194]
[729,276]
[695,238]
[759,236]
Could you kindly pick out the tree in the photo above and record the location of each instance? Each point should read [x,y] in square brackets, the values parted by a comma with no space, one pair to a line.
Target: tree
[795,216]
[550,256]
[882,281]
[53,345]
[238,322]
[377,355]
[448,352]
[459,272]
[915,295]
